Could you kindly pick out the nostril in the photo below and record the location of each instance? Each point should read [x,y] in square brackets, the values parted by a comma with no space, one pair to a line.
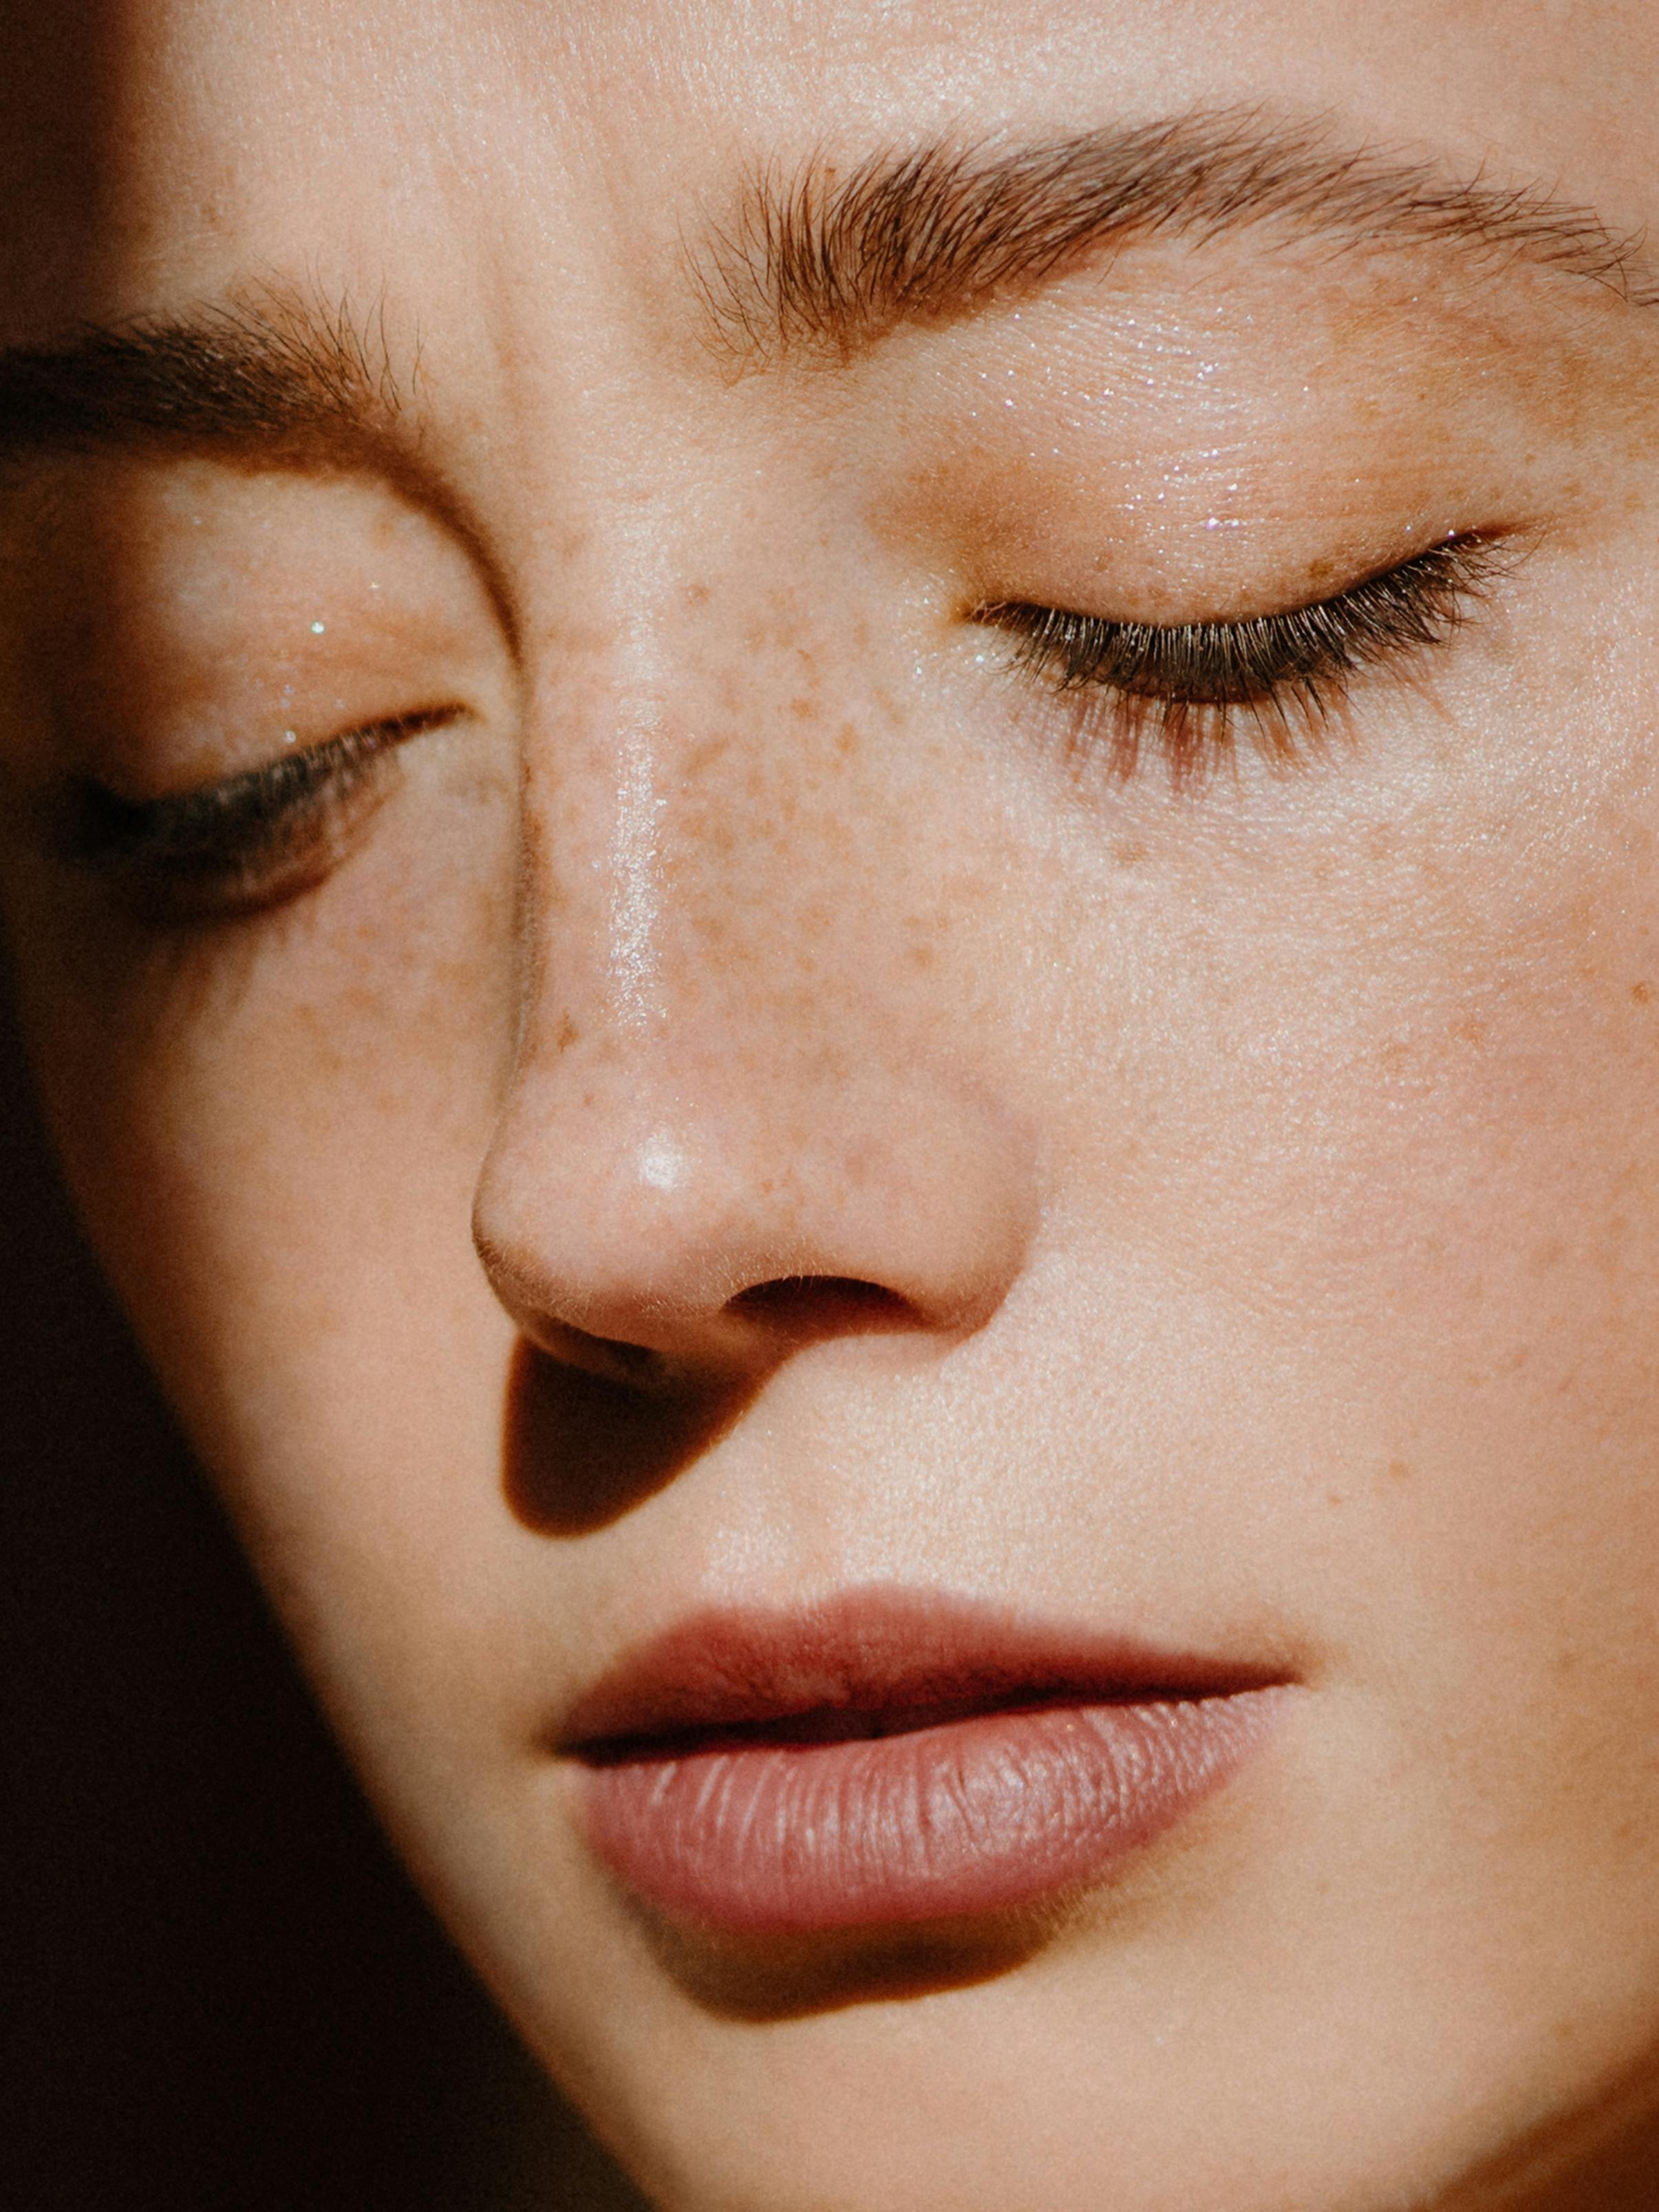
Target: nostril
[772,1320]
[607,1358]
[806,1306]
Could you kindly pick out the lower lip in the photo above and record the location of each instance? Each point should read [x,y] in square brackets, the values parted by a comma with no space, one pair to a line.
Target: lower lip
[984,1815]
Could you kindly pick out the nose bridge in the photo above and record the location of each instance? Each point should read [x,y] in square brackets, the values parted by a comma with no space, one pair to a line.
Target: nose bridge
[709,817]
[727,1081]
[646,713]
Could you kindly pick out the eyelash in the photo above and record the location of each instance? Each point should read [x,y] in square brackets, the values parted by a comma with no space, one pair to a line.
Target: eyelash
[1184,686]
[246,842]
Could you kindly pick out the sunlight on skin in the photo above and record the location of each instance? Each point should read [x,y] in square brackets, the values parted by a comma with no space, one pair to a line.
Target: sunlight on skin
[597,754]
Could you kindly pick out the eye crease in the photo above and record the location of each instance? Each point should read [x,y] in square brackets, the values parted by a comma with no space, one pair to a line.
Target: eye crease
[246,841]
[1184,686]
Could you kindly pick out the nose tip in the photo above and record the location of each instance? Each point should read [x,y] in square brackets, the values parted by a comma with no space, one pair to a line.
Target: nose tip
[721,1244]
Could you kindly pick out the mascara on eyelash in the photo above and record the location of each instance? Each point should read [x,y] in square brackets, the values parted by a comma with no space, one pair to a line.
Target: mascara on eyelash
[1183,685]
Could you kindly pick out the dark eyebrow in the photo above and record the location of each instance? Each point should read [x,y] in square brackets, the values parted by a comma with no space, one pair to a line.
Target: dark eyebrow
[829,259]
[279,374]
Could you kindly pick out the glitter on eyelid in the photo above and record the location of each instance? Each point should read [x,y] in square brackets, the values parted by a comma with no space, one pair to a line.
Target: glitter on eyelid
[317,629]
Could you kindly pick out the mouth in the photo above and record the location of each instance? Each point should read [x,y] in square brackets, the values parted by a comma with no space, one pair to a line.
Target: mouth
[894,1757]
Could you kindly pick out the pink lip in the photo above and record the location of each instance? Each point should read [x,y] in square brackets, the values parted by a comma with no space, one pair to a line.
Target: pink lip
[894,1757]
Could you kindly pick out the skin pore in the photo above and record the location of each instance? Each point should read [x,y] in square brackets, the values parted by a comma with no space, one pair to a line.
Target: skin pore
[1184,1172]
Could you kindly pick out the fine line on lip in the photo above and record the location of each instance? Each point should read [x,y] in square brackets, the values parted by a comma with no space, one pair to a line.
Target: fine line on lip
[894,1757]
[990,1814]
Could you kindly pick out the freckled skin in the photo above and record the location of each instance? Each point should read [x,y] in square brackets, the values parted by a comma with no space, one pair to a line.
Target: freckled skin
[1262,1173]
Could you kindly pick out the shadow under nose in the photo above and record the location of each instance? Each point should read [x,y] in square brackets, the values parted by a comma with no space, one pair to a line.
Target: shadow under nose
[581,1449]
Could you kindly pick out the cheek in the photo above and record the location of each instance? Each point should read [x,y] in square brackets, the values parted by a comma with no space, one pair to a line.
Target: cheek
[1359,1158]
[1385,1081]
[273,1126]
[1352,1103]
[273,1135]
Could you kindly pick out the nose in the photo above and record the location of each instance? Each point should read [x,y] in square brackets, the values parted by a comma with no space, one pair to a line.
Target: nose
[667,1211]
[755,1105]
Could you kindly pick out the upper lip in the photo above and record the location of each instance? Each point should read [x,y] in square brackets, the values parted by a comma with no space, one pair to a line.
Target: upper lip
[866,1663]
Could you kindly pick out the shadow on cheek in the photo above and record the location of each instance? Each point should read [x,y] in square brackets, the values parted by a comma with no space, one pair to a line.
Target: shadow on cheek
[581,1451]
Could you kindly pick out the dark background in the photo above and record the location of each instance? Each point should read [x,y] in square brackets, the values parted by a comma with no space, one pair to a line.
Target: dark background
[216,1987]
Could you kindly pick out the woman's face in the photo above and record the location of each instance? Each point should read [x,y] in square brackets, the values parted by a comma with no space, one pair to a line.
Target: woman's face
[691,1094]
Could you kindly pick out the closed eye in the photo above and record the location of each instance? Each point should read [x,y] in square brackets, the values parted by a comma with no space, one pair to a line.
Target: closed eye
[1184,687]
[247,842]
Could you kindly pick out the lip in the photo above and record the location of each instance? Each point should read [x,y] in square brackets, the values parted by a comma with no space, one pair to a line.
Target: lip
[891,1757]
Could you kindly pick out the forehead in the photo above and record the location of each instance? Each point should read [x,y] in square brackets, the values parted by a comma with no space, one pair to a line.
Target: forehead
[155,150]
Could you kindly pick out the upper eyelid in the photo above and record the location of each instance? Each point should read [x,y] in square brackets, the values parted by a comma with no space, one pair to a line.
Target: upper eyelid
[104,829]
[1465,564]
